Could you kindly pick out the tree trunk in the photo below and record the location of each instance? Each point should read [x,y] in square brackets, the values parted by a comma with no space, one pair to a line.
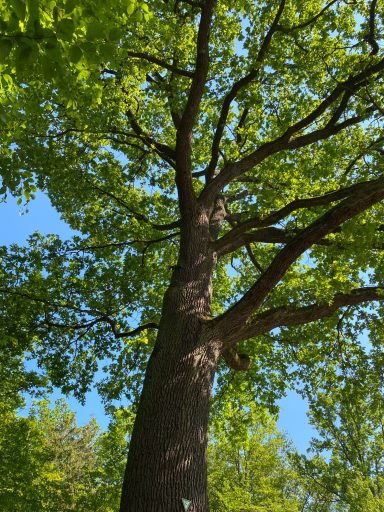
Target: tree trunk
[167,455]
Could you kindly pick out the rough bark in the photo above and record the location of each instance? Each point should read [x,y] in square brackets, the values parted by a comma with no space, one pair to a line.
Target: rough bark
[167,455]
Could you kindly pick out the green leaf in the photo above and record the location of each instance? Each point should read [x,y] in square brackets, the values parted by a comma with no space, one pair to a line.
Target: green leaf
[7,79]
[75,54]
[95,30]
[137,16]
[19,8]
[83,75]
[70,5]
[3,116]
[51,44]
[115,34]
[26,55]
[6,46]
[65,29]
[130,7]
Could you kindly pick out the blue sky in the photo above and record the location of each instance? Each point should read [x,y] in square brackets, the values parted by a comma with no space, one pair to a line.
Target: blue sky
[17,225]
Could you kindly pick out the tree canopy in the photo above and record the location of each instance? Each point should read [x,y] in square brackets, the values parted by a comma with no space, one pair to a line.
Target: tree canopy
[221,165]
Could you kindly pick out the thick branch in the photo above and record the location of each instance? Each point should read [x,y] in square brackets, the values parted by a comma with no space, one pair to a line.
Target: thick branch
[287,315]
[239,314]
[188,118]
[270,235]
[371,36]
[238,362]
[230,241]
[287,141]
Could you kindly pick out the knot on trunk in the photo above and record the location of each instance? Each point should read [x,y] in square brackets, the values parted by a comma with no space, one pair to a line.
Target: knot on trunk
[238,362]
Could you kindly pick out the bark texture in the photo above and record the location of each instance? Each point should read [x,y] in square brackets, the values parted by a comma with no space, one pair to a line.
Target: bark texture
[167,456]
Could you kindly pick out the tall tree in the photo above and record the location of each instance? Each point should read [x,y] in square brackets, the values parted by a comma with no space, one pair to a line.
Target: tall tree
[248,463]
[180,138]
[347,466]
[48,462]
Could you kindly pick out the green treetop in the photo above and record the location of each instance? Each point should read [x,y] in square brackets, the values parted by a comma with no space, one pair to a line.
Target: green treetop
[221,164]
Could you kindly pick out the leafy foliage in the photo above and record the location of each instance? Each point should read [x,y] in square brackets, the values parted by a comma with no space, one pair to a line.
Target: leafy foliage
[49,463]
[251,129]
[249,466]
[91,141]
[347,466]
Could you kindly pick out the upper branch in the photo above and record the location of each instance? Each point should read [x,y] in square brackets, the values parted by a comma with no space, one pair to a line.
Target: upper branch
[128,334]
[188,118]
[107,245]
[47,302]
[236,87]
[371,36]
[287,315]
[165,152]
[287,140]
[136,215]
[161,63]
[287,30]
[240,313]
[238,235]
[233,241]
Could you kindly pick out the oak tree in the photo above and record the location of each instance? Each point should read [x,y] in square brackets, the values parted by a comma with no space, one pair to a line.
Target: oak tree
[346,468]
[222,166]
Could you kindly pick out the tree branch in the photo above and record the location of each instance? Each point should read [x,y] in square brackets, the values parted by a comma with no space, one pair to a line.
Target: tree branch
[253,259]
[371,36]
[188,118]
[238,235]
[88,324]
[137,215]
[238,362]
[165,152]
[42,300]
[236,87]
[286,141]
[269,235]
[133,332]
[147,243]
[287,30]
[287,315]
[161,63]
[240,313]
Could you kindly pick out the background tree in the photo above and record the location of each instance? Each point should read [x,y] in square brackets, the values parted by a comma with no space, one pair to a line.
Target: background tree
[209,135]
[112,447]
[347,465]
[48,462]
[249,467]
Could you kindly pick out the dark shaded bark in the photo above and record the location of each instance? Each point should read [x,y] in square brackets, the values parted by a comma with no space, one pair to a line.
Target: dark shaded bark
[167,455]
